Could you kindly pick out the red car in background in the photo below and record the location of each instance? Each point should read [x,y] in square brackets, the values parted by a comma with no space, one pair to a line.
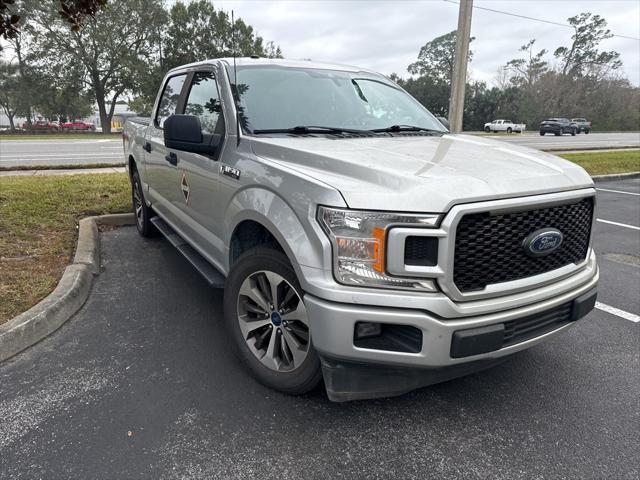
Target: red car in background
[41,125]
[78,125]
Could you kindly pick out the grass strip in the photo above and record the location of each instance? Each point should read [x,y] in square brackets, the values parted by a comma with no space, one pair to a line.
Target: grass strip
[38,230]
[71,166]
[605,163]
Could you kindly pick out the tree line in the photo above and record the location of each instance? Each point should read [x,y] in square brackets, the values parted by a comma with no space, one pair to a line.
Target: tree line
[69,55]
[576,80]
[59,68]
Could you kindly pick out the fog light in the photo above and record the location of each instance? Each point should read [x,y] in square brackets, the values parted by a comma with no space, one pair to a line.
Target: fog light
[367,330]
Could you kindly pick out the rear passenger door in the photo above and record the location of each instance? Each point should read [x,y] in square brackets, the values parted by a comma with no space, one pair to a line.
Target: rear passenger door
[164,180]
[204,201]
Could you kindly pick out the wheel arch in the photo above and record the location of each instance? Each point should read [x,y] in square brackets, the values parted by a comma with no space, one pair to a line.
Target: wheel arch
[265,215]
[131,165]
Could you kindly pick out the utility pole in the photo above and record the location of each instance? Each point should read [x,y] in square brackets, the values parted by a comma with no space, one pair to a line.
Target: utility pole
[459,80]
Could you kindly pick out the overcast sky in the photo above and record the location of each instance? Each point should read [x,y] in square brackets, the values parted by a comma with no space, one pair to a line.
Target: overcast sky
[386,36]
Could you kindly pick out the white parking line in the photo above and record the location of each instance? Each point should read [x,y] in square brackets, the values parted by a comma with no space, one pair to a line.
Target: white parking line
[632,317]
[618,191]
[633,227]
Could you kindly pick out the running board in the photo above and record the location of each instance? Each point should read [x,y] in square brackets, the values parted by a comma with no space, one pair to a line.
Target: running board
[208,271]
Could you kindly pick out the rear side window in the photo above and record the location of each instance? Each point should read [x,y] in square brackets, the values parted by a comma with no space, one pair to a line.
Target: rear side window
[169,100]
[203,101]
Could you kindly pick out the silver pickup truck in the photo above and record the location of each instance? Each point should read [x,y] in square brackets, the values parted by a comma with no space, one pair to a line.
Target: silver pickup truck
[356,239]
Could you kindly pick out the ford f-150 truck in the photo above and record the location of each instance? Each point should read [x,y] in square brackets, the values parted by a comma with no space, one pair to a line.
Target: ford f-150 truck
[356,239]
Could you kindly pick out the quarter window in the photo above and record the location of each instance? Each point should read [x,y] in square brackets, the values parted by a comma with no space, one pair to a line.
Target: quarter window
[169,99]
[203,101]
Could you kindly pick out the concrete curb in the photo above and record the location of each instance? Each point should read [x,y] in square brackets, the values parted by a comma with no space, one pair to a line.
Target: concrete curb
[615,176]
[72,291]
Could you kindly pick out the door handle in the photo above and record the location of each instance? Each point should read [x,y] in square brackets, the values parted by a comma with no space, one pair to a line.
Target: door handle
[147,147]
[172,158]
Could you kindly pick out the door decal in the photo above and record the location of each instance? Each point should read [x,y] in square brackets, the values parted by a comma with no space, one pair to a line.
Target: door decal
[184,186]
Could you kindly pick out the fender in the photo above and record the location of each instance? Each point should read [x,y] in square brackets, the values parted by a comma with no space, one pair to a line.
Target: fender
[294,227]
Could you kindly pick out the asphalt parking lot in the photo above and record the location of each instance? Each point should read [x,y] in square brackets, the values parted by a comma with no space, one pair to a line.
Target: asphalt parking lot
[141,384]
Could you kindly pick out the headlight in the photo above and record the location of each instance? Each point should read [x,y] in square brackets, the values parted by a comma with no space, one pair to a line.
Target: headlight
[358,239]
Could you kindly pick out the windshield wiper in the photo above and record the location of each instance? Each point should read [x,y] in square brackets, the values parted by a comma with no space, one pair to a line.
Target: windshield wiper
[406,128]
[303,129]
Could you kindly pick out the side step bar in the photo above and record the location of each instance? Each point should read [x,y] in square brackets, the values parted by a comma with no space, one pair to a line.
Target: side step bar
[208,271]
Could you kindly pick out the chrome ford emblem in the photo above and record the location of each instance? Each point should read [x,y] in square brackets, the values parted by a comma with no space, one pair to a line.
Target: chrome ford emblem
[542,242]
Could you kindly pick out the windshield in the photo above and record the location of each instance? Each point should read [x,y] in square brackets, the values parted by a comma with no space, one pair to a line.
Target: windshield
[273,97]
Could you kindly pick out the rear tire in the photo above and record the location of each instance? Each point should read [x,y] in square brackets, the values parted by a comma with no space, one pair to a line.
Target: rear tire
[558,133]
[142,212]
[586,132]
[542,133]
[271,335]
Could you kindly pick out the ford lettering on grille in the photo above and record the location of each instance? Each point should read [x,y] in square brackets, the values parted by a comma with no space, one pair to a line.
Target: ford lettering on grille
[542,242]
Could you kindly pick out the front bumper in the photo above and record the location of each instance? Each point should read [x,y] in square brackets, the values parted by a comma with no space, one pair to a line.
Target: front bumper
[352,372]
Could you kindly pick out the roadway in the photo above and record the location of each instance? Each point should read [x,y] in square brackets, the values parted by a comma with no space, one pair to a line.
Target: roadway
[30,153]
[569,142]
[141,383]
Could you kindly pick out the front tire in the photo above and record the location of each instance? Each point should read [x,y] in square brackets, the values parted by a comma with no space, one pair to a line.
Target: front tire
[142,212]
[541,133]
[509,130]
[266,317]
[573,132]
[487,130]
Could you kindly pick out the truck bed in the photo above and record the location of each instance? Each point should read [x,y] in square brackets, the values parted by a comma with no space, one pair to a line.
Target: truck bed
[140,120]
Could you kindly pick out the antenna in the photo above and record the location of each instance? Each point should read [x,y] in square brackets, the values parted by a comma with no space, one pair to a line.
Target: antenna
[236,94]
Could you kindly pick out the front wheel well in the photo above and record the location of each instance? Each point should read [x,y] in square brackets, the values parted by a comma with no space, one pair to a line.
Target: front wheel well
[249,234]
[132,165]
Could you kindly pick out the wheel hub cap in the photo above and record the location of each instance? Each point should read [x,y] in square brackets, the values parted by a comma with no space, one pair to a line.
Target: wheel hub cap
[276,319]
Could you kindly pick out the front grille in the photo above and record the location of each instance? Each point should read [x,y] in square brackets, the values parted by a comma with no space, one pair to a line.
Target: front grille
[489,248]
[522,329]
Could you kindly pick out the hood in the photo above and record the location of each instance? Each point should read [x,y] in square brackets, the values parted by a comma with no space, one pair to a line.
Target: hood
[422,173]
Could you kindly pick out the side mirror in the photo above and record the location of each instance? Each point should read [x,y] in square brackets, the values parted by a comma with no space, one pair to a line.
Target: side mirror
[184,132]
[444,122]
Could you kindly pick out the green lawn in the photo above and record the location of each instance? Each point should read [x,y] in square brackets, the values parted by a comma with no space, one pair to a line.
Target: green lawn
[17,137]
[38,229]
[603,163]
[70,166]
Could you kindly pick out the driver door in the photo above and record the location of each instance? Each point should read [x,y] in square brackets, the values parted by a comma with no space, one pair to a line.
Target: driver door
[163,173]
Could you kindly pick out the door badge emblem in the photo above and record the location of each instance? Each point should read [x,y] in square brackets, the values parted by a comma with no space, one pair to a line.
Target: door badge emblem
[184,186]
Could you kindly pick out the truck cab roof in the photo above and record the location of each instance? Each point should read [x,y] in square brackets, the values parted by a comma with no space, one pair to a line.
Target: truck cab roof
[280,62]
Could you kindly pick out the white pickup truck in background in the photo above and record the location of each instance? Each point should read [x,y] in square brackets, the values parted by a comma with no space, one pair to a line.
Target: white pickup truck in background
[504,126]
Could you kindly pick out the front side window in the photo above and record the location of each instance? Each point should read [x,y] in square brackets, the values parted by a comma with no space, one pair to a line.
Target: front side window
[203,101]
[169,100]
[273,97]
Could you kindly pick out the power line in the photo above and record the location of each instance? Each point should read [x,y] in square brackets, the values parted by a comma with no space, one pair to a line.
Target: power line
[534,19]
